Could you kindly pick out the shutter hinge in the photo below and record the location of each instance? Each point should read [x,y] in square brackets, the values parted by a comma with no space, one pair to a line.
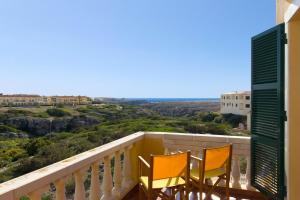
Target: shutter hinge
[284,38]
[285,115]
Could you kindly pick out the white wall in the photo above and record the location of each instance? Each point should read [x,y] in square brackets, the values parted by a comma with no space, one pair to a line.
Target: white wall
[235,104]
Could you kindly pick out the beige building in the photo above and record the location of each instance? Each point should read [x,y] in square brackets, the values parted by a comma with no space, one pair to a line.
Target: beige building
[20,100]
[30,100]
[238,103]
[69,100]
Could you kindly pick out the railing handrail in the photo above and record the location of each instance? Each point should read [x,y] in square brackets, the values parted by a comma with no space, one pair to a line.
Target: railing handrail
[50,173]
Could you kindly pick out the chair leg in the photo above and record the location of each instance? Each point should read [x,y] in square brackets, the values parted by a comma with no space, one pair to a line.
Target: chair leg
[187,192]
[140,192]
[227,187]
[201,191]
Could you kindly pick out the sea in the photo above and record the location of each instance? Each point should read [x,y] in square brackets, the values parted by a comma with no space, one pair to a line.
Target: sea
[161,100]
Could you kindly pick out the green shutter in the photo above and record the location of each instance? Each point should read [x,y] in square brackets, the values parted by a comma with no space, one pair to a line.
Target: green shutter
[267,141]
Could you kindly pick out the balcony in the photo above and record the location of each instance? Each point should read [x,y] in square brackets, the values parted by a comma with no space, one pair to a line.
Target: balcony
[110,171]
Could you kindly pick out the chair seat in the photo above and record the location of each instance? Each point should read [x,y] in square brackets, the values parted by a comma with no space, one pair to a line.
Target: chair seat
[194,174]
[163,183]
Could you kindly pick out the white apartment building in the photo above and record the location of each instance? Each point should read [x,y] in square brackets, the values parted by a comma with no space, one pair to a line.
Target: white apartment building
[238,103]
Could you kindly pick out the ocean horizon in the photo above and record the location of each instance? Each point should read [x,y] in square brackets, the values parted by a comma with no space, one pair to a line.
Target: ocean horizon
[161,100]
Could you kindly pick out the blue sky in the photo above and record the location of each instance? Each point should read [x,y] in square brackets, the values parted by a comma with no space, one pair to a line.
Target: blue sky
[132,48]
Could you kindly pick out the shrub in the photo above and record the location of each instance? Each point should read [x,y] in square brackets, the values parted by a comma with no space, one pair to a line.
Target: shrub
[4,129]
[218,120]
[216,129]
[34,145]
[195,128]
[208,117]
[57,112]
[234,120]
[18,112]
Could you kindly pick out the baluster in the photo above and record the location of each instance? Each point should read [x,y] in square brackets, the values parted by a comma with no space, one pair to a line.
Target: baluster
[127,176]
[107,179]
[79,185]
[60,192]
[195,162]
[166,151]
[117,175]
[236,172]
[95,182]
[248,174]
[37,194]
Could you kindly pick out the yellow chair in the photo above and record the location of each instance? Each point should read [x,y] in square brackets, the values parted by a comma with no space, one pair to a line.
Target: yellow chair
[216,162]
[165,171]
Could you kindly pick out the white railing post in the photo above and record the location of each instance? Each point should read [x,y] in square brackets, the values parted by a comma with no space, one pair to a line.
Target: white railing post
[79,185]
[248,174]
[127,176]
[60,193]
[107,184]
[95,182]
[236,174]
[117,175]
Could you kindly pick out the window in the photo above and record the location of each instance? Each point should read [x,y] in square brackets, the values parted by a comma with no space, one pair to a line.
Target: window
[247,97]
[247,105]
[236,97]
[236,105]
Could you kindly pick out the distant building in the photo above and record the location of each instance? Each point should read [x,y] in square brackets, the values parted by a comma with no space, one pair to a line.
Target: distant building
[31,100]
[238,103]
[69,100]
[20,100]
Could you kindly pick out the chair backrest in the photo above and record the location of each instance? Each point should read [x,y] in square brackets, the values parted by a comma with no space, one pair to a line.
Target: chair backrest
[168,166]
[215,158]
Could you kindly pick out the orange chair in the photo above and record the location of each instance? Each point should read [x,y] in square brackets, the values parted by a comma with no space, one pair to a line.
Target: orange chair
[165,171]
[216,162]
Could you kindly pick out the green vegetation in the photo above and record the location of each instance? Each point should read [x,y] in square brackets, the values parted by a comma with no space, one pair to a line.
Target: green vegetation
[57,112]
[58,133]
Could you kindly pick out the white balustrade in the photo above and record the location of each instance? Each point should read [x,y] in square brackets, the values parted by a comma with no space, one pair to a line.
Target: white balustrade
[124,174]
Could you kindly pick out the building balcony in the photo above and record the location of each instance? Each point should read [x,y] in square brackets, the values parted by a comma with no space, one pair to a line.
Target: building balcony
[111,170]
